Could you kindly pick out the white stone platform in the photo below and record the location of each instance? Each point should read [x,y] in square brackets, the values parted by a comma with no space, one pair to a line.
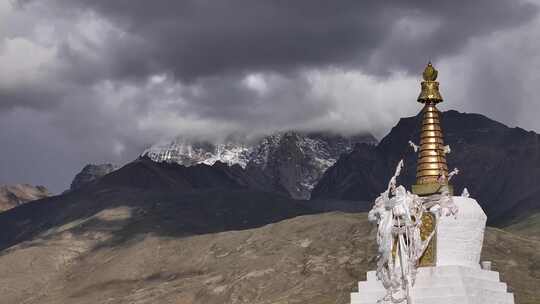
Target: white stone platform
[443,285]
[457,277]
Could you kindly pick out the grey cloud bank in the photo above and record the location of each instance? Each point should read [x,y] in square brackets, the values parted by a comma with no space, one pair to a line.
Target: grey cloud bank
[97,81]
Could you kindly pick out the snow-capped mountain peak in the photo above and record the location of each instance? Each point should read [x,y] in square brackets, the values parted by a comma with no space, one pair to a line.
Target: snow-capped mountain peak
[294,161]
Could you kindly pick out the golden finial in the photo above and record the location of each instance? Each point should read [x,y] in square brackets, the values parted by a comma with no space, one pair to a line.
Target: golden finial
[430,88]
[430,73]
[431,171]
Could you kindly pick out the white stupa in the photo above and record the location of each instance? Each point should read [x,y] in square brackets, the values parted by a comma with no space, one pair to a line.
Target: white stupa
[430,241]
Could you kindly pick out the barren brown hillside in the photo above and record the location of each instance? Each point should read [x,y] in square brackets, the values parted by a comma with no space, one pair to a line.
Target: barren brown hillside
[306,259]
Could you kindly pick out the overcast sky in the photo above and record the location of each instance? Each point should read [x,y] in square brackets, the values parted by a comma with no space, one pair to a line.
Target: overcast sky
[93,81]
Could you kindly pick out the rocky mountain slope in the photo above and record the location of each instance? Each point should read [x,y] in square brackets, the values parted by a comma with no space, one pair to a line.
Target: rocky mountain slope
[14,195]
[500,166]
[292,161]
[126,254]
[205,198]
[90,173]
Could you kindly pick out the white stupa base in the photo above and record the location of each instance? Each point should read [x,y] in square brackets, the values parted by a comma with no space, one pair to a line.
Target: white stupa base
[443,285]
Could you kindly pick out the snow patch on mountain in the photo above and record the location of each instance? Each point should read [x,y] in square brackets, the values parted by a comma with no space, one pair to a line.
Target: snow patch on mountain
[189,154]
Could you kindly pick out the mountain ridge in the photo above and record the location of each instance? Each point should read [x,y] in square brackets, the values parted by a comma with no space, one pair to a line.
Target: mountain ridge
[89,173]
[294,161]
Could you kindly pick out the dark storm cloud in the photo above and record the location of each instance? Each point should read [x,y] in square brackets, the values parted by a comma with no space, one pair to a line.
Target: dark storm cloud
[27,97]
[200,38]
[98,80]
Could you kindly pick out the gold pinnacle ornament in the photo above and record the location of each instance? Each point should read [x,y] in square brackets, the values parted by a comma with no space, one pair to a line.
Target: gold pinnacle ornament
[431,170]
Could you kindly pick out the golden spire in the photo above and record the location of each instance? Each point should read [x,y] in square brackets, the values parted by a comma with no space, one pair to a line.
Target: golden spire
[431,170]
